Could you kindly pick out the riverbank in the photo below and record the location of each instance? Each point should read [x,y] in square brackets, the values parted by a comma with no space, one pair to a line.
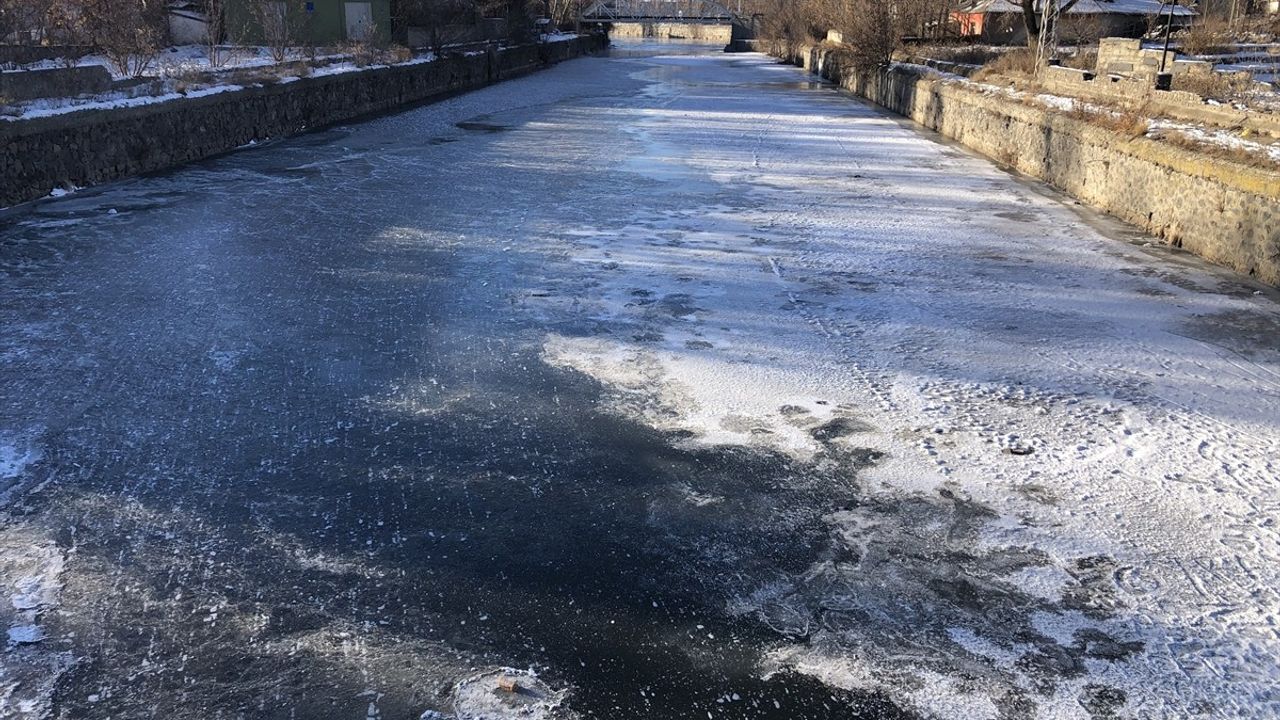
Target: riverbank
[1223,211]
[95,145]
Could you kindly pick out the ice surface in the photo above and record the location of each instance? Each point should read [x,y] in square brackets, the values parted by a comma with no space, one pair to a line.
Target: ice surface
[645,372]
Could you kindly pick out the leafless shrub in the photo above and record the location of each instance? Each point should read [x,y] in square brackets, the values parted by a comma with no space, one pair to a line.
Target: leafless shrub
[40,22]
[1082,29]
[364,54]
[872,29]
[215,32]
[281,22]
[1082,59]
[362,50]
[1207,37]
[871,32]
[129,33]
[23,22]
[788,25]
[563,12]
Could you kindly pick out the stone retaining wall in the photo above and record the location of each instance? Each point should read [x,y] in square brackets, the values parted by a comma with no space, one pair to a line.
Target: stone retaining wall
[1225,212]
[94,146]
[1126,57]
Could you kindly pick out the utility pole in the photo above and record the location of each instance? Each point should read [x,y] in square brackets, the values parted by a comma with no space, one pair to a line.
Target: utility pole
[1168,32]
[1164,79]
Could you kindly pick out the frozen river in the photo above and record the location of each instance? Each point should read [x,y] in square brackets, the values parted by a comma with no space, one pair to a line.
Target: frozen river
[670,385]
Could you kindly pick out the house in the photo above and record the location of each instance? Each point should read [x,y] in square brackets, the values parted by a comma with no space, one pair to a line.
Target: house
[188,24]
[1000,21]
[309,22]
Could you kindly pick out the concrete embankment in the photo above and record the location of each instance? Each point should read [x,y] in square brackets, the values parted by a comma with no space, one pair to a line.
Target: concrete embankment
[98,145]
[1224,211]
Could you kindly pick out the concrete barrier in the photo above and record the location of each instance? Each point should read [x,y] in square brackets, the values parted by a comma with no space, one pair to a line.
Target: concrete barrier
[27,54]
[54,82]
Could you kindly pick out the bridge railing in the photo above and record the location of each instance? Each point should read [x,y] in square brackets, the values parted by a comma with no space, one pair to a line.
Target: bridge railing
[610,10]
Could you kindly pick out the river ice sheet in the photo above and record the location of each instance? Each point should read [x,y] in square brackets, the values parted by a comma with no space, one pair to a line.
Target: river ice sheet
[679,382]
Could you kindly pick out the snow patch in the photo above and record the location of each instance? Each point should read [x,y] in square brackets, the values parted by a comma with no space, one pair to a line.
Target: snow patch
[479,697]
[14,459]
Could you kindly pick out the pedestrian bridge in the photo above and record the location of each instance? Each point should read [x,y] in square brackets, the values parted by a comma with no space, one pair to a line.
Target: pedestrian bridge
[705,20]
[657,11]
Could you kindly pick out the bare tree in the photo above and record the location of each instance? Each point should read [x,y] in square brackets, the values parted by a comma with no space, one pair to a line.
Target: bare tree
[9,20]
[1033,12]
[129,33]
[872,32]
[280,22]
[215,31]
[30,22]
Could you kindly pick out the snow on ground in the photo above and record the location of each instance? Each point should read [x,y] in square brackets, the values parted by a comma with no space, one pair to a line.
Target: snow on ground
[31,566]
[1207,135]
[180,62]
[1214,136]
[177,60]
[1101,422]
[1262,60]
[49,107]
[124,99]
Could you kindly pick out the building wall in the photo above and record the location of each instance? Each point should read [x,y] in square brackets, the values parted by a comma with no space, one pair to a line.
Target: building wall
[95,146]
[323,24]
[1004,27]
[1226,212]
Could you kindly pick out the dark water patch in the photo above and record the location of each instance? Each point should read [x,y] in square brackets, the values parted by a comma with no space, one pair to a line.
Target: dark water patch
[482,126]
[1023,216]
[564,538]
[839,427]
[1240,331]
[677,305]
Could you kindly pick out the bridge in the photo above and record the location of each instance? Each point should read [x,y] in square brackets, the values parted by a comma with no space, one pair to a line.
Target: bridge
[613,11]
[673,19]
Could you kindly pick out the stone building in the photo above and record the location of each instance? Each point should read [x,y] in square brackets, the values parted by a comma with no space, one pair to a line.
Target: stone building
[1000,21]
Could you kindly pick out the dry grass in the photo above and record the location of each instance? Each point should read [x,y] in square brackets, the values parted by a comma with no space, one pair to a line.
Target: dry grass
[965,55]
[1083,59]
[1238,155]
[365,54]
[1129,123]
[1016,63]
[1215,85]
